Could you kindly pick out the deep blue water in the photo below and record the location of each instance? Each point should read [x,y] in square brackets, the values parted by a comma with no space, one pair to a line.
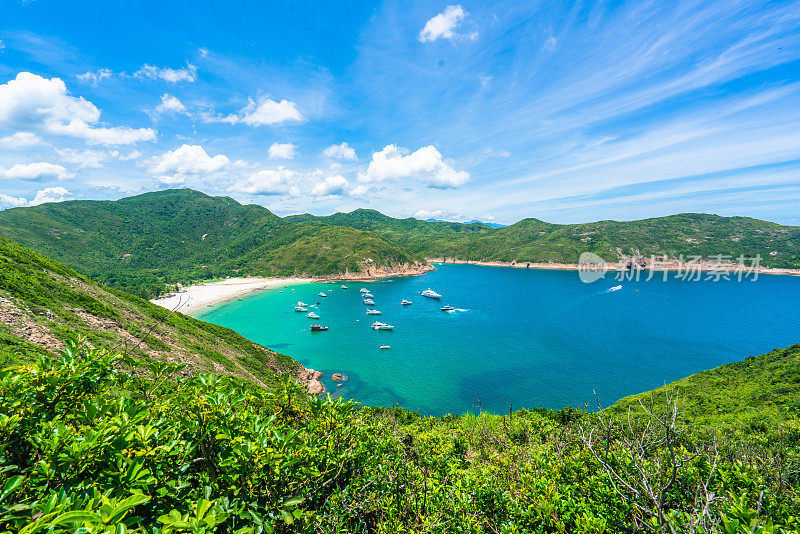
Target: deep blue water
[527,337]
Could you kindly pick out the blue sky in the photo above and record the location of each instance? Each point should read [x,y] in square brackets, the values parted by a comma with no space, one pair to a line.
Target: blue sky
[497,111]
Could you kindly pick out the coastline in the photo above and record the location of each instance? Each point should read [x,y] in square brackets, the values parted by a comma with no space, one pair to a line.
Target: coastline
[671,265]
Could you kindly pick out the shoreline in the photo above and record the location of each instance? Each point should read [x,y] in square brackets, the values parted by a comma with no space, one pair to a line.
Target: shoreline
[671,265]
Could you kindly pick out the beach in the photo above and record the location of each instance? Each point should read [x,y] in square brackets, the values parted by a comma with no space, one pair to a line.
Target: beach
[191,299]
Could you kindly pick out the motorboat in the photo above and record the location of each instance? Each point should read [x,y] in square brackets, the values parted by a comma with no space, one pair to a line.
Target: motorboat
[384,347]
[431,294]
[301,303]
[312,315]
[373,312]
[615,288]
[368,295]
[369,302]
[364,290]
[318,328]
[322,294]
[300,309]
[377,325]
[448,308]
[405,302]
[344,286]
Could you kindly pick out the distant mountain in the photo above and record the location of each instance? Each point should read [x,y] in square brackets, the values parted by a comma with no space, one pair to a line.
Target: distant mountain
[533,240]
[474,221]
[143,243]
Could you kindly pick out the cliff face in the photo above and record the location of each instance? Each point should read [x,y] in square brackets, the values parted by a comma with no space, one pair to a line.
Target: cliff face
[369,270]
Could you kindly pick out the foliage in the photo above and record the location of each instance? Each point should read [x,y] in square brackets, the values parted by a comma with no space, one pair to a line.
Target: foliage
[87,447]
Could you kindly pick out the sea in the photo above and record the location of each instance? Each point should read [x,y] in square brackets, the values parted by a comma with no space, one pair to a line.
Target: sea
[518,338]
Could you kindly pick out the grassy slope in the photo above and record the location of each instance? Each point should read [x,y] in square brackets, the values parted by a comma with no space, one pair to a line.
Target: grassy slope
[141,243]
[758,391]
[42,303]
[537,241]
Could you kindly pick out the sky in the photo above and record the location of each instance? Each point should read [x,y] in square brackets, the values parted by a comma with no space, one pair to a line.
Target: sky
[495,111]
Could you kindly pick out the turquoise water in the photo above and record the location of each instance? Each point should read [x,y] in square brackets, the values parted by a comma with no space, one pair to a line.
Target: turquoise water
[527,337]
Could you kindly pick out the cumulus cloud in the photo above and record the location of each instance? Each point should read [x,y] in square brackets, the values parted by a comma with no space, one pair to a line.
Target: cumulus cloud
[188,74]
[282,151]
[35,171]
[342,151]
[170,104]
[443,25]
[330,186]
[280,181]
[360,190]
[49,194]
[87,159]
[95,77]
[19,140]
[172,167]
[265,111]
[31,102]
[425,164]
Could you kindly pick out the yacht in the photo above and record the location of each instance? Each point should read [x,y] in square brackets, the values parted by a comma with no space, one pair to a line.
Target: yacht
[368,295]
[431,294]
[615,288]
[300,309]
[364,290]
[301,303]
[369,302]
[344,286]
[322,294]
[312,315]
[373,312]
[384,347]
[377,325]
[318,328]
[405,302]
[448,308]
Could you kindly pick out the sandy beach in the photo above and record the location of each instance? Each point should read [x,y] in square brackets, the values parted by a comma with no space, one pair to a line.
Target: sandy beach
[191,299]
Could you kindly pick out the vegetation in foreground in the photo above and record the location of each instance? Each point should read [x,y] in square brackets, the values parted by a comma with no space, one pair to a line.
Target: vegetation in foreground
[87,446]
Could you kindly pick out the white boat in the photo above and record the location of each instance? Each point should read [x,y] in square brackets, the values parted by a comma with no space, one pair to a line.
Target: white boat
[431,294]
[368,295]
[369,302]
[364,290]
[344,286]
[318,328]
[448,308]
[377,325]
[405,302]
[312,315]
[301,303]
[384,347]
[373,312]
[615,288]
[322,294]
[300,309]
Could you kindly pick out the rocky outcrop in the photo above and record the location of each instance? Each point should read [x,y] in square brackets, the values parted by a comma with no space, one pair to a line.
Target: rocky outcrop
[370,271]
[310,379]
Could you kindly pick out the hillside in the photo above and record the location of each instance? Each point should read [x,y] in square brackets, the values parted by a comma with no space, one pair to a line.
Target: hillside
[143,243]
[44,303]
[532,240]
[756,393]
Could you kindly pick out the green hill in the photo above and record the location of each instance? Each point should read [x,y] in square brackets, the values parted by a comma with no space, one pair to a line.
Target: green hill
[43,304]
[532,240]
[143,243]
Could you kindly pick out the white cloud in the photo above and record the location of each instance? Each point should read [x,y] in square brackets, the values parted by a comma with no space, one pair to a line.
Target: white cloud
[330,186]
[360,190]
[550,44]
[342,151]
[170,104]
[425,164]
[281,181]
[266,111]
[172,167]
[134,154]
[439,214]
[51,194]
[282,151]
[443,25]
[19,140]
[87,159]
[188,74]
[13,201]
[31,102]
[35,171]
[94,77]
[2,44]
